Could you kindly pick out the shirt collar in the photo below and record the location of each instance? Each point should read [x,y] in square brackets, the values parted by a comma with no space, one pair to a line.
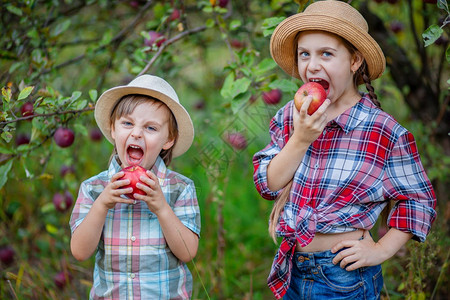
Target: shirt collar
[159,168]
[353,116]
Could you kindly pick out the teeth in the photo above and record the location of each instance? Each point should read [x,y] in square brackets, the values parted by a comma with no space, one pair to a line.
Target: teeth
[315,80]
[135,147]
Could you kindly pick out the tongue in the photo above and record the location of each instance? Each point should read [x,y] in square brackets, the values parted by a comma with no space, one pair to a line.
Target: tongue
[324,84]
[135,153]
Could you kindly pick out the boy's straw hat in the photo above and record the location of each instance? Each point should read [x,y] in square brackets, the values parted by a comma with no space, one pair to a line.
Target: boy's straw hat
[332,16]
[155,87]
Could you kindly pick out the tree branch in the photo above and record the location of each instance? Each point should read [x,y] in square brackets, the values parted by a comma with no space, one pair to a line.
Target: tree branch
[48,115]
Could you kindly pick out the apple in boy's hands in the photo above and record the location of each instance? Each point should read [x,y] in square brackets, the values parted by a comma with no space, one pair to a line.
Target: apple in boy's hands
[315,90]
[133,173]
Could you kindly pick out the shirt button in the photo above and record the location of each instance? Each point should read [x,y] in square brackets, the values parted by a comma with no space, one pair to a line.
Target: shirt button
[301,259]
[133,238]
[132,275]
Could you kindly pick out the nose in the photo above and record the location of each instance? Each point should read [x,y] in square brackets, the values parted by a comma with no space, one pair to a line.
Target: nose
[136,133]
[314,64]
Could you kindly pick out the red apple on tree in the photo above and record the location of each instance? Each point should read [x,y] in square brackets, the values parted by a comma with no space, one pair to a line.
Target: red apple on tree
[315,90]
[27,109]
[62,202]
[237,140]
[133,173]
[7,254]
[61,279]
[64,137]
[272,97]
[154,38]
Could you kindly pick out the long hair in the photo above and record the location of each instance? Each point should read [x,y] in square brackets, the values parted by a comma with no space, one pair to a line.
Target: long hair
[359,76]
[127,104]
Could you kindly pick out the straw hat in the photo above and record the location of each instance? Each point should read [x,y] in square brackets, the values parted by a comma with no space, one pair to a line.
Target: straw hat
[155,87]
[331,16]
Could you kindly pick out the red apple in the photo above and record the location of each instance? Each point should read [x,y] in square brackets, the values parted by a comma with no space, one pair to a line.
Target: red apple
[272,97]
[237,140]
[62,202]
[7,254]
[154,38]
[61,279]
[64,137]
[22,138]
[175,15]
[223,3]
[315,90]
[95,134]
[66,170]
[27,110]
[133,173]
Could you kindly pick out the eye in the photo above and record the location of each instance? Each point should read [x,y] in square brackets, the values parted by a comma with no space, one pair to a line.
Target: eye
[151,128]
[327,54]
[127,123]
[303,54]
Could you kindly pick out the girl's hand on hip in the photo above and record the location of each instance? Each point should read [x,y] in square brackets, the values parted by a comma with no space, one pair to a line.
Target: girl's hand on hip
[154,196]
[359,253]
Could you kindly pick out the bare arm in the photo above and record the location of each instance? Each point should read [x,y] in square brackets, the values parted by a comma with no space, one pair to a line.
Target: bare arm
[306,130]
[368,253]
[86,236]
[181,240]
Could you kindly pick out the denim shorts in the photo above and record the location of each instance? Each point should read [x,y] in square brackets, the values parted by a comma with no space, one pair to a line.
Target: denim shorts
[315,277]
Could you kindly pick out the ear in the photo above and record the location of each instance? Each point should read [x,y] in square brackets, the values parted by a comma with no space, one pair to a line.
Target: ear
[168,144]
[113,132]
[356,62]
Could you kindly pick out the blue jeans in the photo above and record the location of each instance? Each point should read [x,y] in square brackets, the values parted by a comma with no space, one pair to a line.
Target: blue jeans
[315,277]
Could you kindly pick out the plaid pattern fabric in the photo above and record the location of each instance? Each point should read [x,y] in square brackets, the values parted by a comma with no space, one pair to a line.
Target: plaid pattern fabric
[362,159]
[133,260]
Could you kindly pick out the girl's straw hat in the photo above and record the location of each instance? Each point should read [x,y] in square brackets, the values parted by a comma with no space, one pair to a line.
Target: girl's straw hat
[331,16]
[155,87]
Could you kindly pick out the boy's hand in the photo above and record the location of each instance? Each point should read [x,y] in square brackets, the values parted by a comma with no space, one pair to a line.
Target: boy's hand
[112,192]
[154,196]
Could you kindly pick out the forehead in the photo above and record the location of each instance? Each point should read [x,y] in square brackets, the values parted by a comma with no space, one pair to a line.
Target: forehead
[319,38]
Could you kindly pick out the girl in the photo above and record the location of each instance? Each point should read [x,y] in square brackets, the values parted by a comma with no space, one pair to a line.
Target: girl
[143,244]
[333,172]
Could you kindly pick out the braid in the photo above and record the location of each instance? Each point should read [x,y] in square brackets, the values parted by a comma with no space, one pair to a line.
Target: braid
[370,88]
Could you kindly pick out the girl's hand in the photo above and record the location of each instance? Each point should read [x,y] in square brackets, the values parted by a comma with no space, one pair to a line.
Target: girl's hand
[361,253]
[112,192]
[154,196]
[308,128]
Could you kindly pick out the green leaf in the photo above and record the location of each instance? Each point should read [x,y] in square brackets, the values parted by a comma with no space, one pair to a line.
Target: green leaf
[264,66]
[4,170]
[269,25]
[93,95]
[14,10]
[227,84]
[240,86]
[432,34]
[285,85]
[235,24]
[60,28]
[239,102]
[75,95]
[25,92]
[210,23]
[6,93]
[51,228]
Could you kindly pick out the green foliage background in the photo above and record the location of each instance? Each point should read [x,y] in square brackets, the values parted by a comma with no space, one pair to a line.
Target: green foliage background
[61,55]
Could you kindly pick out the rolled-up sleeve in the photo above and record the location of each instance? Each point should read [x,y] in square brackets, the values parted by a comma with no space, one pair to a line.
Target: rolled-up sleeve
[407,184]
[187,210]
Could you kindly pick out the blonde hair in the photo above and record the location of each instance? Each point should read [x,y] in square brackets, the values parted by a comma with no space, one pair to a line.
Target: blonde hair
[127,104]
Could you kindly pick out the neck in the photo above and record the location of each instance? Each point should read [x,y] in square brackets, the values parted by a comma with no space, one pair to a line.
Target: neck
[338,107]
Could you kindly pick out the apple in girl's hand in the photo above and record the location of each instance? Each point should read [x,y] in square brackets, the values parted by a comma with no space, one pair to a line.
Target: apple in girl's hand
[133,173]
[315,90]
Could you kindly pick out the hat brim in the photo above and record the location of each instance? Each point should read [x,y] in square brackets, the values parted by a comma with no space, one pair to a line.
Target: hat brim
[109,99]
[282,46]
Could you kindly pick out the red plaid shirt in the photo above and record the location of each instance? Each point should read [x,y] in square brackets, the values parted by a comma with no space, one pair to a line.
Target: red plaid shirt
[362,159]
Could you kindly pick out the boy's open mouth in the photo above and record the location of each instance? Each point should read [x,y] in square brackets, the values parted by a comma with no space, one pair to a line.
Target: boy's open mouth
[134,154]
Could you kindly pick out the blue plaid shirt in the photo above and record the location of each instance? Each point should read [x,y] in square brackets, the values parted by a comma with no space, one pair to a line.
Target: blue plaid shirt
[133,260]
[362,159]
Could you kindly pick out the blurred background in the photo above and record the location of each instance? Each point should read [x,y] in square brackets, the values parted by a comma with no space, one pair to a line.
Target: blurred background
[57,57]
